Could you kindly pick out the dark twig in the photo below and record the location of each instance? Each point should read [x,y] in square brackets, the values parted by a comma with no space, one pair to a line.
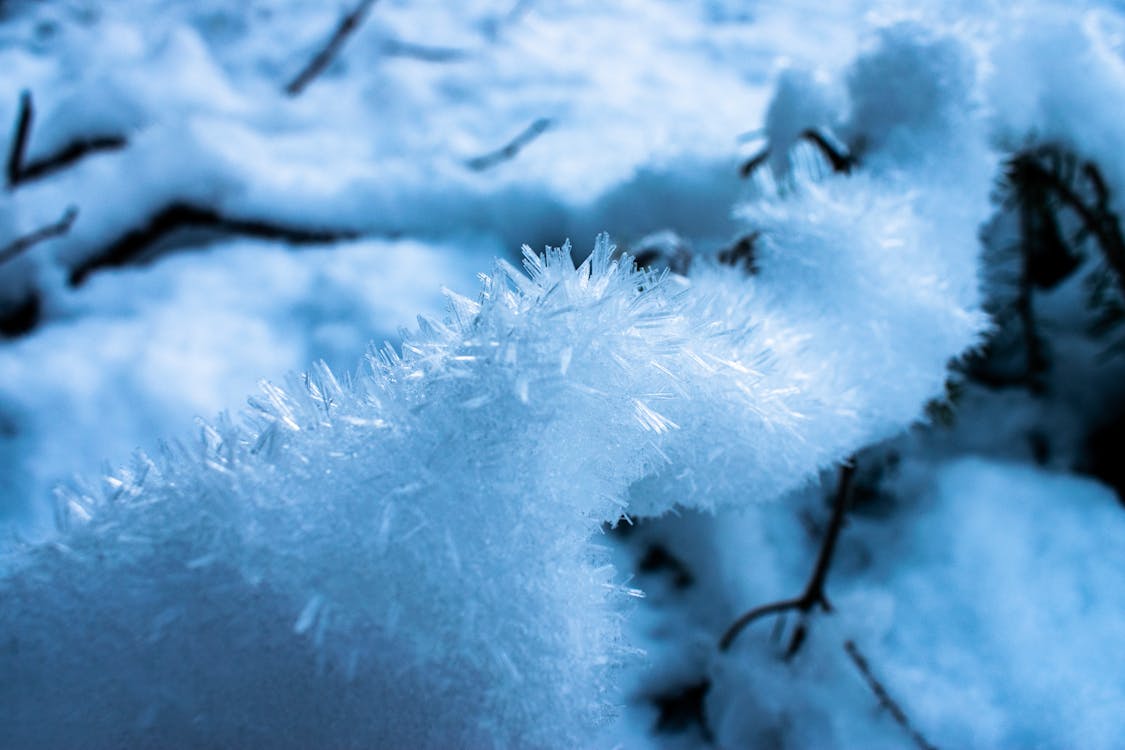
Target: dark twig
[512,148]
[813,594]
[425,53]
[347,26]
[743,253]
[884,697]
[19,140]
[1027,169]
[19,172]
[838,157]
[20,244]
[136,245]
[72,152]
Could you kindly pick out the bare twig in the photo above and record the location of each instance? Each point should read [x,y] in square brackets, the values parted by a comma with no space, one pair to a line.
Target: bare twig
[19,140]
[72,152]
[813,594]
[837,156]
[21,244]
[511,149]
[347,26]
[19,172]
[425,53]
[884,697]
[743,253]
[134,246]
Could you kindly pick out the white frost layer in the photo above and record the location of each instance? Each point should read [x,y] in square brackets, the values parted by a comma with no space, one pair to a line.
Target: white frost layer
[424,530]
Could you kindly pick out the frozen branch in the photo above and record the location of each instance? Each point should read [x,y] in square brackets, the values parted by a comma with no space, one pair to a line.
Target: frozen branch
[884,697]
[512,148]
[19,140]
[347,26]
[813,594]
[834,153]
[425,53]
[20,244]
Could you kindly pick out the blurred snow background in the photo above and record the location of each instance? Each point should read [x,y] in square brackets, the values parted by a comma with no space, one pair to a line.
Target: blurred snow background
[981,572]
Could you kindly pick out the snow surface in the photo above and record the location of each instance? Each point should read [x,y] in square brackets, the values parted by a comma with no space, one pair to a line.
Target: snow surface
[417,552]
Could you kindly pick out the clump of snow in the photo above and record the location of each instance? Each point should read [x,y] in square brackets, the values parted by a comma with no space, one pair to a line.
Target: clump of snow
[432,519]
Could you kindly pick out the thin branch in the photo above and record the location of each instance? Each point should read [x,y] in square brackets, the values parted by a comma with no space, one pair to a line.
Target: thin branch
[884,697]
[751,165]
[425,53]
[511,149]
[838,157]
[72,152]
[19,172]
[19,139]
[841,161]
[813,594]
[1099,220]
[347,26]
[21,244]
[135,245]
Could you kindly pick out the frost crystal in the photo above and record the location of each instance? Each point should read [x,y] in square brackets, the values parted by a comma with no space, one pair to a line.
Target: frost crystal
[405,559]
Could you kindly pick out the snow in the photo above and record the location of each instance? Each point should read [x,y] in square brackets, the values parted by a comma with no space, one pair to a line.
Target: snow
[1034,558]
[527,520]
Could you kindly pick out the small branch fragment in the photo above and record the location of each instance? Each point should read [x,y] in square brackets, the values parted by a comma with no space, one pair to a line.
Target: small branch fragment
[425,53]
[512,148]
[72,152]
[751,165]
[838,157]
[20,244]
[347,26]
[743,253]
[18,172]
[813,594]
[19,140]
[134,246]
[884,697]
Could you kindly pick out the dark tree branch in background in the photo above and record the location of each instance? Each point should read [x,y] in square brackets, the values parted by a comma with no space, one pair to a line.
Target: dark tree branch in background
[134,246]
[347,26]
[425,53]
[19,171]
[813,594]
[512,148]
[20,244]
[836,155]
[19,140]
[884,697]
[72,152]
[1026,170]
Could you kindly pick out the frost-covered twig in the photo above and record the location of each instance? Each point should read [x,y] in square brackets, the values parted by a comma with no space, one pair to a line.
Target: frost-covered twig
[511,149]
[885,699]
[19,172]
[134,245]
[347,26]
[838,157]
[26,242]
[813,594]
